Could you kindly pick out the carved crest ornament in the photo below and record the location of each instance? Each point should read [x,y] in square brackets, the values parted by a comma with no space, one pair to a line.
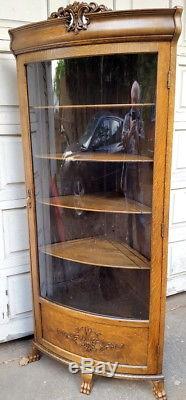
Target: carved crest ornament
[76,14]
[89,339]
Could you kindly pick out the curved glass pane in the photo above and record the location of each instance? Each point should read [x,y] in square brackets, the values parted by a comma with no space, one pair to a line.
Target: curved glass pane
[92,123]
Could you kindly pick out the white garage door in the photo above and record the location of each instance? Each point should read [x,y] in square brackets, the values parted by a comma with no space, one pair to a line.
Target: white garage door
[15,287]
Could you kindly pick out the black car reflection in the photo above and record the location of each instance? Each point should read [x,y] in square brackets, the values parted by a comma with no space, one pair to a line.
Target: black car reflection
[103,134]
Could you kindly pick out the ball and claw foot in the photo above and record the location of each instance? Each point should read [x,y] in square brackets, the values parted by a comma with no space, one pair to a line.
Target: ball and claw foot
[159,390]
[86,385]
[32,357]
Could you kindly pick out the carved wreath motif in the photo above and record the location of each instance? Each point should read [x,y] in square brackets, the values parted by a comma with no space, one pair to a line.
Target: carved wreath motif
[75,14]
[89,339]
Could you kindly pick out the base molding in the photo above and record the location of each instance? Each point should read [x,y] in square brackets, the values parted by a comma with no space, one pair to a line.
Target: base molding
[157,380]
[117,375]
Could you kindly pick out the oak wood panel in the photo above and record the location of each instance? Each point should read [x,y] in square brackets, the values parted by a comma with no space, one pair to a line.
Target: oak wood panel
[98,251]
[108,202]
[96,157]
[88,50]
[88,337]
[128,25]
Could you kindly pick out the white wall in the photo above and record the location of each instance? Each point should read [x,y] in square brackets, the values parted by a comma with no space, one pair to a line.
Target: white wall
[177,230]
[15,289]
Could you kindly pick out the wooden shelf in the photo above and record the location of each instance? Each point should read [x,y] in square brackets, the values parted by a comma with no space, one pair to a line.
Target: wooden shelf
[98,252]
[109,202]
[80,106]
[96,157]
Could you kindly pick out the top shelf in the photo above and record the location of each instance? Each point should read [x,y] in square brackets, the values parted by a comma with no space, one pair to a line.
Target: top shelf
[77,106]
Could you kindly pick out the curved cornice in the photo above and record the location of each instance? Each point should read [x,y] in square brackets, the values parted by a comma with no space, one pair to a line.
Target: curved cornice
[103,27]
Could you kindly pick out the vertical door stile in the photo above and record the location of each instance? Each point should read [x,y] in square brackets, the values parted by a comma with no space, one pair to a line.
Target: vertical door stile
[158,266]
[27,152]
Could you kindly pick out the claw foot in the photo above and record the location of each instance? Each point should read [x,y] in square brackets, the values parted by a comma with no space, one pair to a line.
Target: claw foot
[86,385]
[32,357]
[159,390]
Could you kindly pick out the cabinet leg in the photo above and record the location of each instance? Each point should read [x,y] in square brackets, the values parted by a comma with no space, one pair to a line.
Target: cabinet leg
[32,357]
[86,383]
[159,390]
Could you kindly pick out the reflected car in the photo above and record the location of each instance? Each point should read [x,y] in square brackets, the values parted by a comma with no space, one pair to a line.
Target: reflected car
[103,134]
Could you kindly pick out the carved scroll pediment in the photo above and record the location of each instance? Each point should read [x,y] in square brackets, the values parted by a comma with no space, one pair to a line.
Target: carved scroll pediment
[76,14]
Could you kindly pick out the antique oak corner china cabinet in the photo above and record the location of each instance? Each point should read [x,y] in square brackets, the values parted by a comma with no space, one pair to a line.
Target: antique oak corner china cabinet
[97,97]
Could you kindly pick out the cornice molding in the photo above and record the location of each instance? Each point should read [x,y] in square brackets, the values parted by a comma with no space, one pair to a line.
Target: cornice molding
[104,26]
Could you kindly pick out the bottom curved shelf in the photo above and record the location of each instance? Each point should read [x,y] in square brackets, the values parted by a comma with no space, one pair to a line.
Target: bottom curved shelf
[98,252]
[99,276]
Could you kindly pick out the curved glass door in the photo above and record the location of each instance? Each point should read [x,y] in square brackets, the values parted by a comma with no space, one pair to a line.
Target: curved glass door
[92,123]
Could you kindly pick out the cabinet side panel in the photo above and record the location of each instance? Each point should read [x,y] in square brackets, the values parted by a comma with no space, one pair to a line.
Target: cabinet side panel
[171,101]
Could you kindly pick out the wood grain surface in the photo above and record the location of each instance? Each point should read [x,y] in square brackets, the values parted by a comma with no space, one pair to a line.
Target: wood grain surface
[108,202]
[96,157]
[98,251]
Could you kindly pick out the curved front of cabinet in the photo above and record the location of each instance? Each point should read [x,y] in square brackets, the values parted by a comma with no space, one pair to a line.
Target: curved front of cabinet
[92,130]
[74,335]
